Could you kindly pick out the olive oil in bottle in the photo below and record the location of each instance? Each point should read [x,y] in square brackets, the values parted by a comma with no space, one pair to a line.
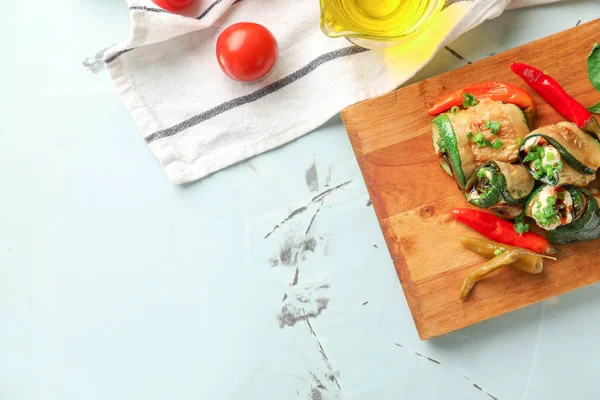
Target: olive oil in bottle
[378,19]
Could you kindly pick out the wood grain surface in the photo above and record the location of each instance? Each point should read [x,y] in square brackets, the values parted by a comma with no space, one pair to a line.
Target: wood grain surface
[412,196]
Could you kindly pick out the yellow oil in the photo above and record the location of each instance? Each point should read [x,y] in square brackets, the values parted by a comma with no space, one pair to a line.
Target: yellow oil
[377,19]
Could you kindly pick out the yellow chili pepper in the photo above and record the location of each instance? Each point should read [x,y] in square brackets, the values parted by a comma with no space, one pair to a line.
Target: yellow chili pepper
[506,258]
[530,262]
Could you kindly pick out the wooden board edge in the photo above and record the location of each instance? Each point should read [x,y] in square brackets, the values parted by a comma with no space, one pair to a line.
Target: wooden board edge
[544,292]
[345,114]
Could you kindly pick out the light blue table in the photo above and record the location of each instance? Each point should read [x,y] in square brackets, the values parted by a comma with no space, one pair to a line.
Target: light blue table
[116,284]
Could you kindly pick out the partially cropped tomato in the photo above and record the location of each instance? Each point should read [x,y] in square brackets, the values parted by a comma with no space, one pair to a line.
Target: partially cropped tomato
[173,5]
[246,51]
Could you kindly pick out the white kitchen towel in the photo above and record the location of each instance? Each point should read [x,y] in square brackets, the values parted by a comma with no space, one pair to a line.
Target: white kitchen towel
[198,121]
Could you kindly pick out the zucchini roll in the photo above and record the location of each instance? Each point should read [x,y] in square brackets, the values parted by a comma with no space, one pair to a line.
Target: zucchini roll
[561,154]
[569,214]
[504,188]
[488,131]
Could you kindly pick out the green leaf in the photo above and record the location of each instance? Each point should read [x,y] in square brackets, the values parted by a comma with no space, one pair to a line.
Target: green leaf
[593,64]
[595,109]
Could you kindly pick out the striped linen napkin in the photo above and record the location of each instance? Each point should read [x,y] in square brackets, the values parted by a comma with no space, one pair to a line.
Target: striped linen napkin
[197,121]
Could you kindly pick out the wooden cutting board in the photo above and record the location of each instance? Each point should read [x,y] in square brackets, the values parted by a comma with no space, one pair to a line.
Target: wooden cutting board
[412,196]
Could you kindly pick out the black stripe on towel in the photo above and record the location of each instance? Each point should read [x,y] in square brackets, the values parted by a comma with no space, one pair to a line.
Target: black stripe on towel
[256,95]
[209,8]
[199,17]
[150,9]
[160,10]
[116,55]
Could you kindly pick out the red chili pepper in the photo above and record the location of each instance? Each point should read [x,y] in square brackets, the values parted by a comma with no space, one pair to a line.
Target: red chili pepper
[496,91]
[556,96]
[502,231]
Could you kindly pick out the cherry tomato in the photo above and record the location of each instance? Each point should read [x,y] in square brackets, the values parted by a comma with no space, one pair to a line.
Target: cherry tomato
[173,5]
[246,51]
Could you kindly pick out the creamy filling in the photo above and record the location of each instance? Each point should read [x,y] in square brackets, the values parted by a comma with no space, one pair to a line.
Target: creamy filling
[542,158]
[553,208]
[531,142]
[551,156]
[475,193]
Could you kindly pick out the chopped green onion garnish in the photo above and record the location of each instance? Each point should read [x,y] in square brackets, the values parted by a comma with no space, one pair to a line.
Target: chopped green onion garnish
[532,154]
[540,151]
[548,214]
[559,166]
[520,225]
[479,139]
[469,100]
[495,127]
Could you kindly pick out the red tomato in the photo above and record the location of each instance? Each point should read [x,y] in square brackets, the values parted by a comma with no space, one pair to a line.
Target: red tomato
[246,51]
[173,5]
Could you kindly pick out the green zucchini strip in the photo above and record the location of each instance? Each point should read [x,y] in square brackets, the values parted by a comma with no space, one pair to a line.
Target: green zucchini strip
[560,154]
[449,147]
[587,224]
[569,214]
[500,186]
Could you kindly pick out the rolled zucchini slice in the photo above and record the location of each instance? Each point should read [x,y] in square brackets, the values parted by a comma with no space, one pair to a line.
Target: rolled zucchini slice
[504,188]
[561,154]
[569,214]
[455,134]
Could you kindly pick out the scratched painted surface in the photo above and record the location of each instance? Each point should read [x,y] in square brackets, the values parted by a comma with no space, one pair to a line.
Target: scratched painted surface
[269,280]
